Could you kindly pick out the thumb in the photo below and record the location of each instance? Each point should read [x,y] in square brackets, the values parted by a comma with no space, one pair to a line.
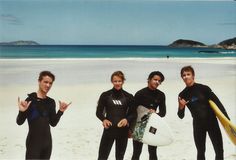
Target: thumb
[119,124]
[28,103]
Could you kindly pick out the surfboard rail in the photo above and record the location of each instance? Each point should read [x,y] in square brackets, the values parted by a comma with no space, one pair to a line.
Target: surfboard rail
[228,126]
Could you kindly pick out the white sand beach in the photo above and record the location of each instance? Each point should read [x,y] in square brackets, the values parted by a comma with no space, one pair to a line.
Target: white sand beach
[81,81]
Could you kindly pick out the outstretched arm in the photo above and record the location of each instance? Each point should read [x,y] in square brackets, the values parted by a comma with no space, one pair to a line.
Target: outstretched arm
[22,115]
[55,117]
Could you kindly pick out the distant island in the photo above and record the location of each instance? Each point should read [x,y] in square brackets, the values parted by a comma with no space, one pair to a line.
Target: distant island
[226,44]
[18,43]
[187,43]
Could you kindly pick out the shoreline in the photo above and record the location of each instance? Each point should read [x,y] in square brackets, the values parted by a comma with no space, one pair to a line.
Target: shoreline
[117,59]
[210,60]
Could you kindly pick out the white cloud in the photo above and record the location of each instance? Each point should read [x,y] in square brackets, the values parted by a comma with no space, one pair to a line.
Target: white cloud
[10,19]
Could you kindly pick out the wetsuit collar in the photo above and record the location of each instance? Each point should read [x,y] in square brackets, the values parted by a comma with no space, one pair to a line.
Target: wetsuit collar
[117,92]
[33,96]
[192,85]
[151,90]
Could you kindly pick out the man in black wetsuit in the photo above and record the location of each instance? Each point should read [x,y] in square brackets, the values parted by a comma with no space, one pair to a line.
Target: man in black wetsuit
[39,110]
[115,110]
[195,96]
[153,99]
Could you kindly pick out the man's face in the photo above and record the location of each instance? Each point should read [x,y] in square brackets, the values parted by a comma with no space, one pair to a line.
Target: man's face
[117,82]
[154,82]
[45,84]
[188,78]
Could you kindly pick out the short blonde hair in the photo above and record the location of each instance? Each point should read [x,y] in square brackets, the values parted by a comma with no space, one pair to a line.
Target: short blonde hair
[118,74]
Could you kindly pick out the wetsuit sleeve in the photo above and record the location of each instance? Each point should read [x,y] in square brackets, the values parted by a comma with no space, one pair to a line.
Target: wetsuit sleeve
[100,112]
[137,100]
[162,106]
[21,117]
[181,112]
[54,117]
[131,113]
[215,99]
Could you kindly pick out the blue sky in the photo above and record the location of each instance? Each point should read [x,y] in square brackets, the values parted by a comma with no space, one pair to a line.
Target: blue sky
[119,22]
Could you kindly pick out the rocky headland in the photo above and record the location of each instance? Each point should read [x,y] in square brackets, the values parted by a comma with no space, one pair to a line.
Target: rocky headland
[226,44]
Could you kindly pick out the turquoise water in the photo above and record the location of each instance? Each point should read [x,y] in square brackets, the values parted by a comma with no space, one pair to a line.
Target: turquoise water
[93,51]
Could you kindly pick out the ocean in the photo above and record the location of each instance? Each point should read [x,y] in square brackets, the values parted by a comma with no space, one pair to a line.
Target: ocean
[108,51]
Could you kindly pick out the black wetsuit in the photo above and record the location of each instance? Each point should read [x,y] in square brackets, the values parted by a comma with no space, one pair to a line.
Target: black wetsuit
[40,114]
[115,105]
[151,99]
[204,119]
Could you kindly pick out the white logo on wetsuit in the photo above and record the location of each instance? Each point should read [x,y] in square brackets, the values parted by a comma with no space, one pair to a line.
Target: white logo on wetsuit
[117,102]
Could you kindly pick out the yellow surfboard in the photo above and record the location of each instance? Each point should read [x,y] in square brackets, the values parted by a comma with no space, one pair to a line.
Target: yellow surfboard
[229,127]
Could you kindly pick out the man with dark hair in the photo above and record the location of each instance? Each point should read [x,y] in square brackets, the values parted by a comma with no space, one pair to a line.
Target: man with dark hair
[196,96]
[153,99]
[40,111]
